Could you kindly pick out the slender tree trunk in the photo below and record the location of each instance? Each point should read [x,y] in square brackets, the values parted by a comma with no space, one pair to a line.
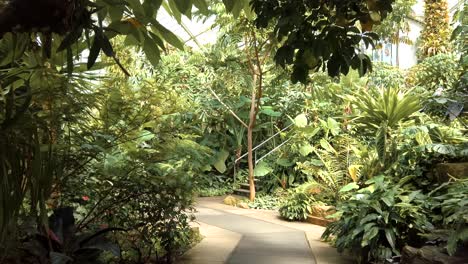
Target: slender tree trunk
[397,50]
[255,65]
[252,119]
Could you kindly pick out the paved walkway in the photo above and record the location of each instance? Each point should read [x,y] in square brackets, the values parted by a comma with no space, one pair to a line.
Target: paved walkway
[234,235]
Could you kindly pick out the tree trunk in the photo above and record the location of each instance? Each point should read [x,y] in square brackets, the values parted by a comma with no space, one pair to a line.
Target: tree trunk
[252,119]
[397,50]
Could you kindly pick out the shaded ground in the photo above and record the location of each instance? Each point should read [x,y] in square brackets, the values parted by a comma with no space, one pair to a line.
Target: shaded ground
[234,235]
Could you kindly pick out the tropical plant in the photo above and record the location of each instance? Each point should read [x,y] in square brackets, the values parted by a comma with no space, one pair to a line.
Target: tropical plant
[435,35]
[460,23]
[450,202]
[437,78]
[34,114]
[381,111]
[396,24]
[388,106]
[62,243]
[266,202]
[296,206]
[45,101]
[439,71]
[384,75]
[321,34]
[378,220]
[77,22]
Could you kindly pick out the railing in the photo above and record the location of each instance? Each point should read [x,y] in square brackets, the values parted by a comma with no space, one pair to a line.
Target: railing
[260,145]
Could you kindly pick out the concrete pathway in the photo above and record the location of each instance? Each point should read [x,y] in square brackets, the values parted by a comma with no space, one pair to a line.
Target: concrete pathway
[235,235]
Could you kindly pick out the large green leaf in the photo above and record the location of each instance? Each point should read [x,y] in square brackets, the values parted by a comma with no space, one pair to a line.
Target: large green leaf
[306,149]
[137,7]
[369,235]
[168,35]
[174,10]
[94,52]
[151,50]
[262,169]
[301,120]
[349,187]
[333,126]
[285,162]
[183,5]
[70,39]
[368,218]
[201,5]
[220,161]
[145,135]
[270,112]
[381,142]
[391,238]
[123,27]
[327,146]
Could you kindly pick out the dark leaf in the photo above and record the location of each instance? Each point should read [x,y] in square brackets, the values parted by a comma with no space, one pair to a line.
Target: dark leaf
[168,35]
[229,4]
[107,46]
[71,38]
[59,258]
[183,5]
[284,55]
[69,61]
[94,52]
[201,5]
[300,74]
[151,50]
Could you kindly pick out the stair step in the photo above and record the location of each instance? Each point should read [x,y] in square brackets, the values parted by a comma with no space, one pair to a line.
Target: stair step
[242,192]
[246,186]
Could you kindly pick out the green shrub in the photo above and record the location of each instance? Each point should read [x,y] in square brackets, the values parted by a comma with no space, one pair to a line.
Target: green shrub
[296,206]
[441,70]
[385,75]
[450,211]
[378,221]
[149,195]
[265,202]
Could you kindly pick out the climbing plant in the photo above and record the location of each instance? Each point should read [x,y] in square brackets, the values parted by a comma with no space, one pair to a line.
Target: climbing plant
[435,35]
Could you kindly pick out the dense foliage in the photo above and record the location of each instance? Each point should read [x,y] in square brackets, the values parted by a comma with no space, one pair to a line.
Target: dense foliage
[435,37]
[316,35]
[103,156]
[396,23]
[379,219]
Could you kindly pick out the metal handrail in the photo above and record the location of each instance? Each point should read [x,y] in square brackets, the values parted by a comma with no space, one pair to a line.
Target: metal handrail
[273,150]
[263,143]
[258,146]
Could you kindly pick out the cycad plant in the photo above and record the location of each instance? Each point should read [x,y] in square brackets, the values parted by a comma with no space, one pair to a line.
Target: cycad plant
[382,111]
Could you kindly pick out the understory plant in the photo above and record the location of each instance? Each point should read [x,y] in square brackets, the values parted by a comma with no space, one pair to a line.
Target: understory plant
[378,220]
[64,243]
[296,206]
[265,202]
[449,204]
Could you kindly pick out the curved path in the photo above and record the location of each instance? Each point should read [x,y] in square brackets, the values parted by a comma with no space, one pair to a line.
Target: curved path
[234,235]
